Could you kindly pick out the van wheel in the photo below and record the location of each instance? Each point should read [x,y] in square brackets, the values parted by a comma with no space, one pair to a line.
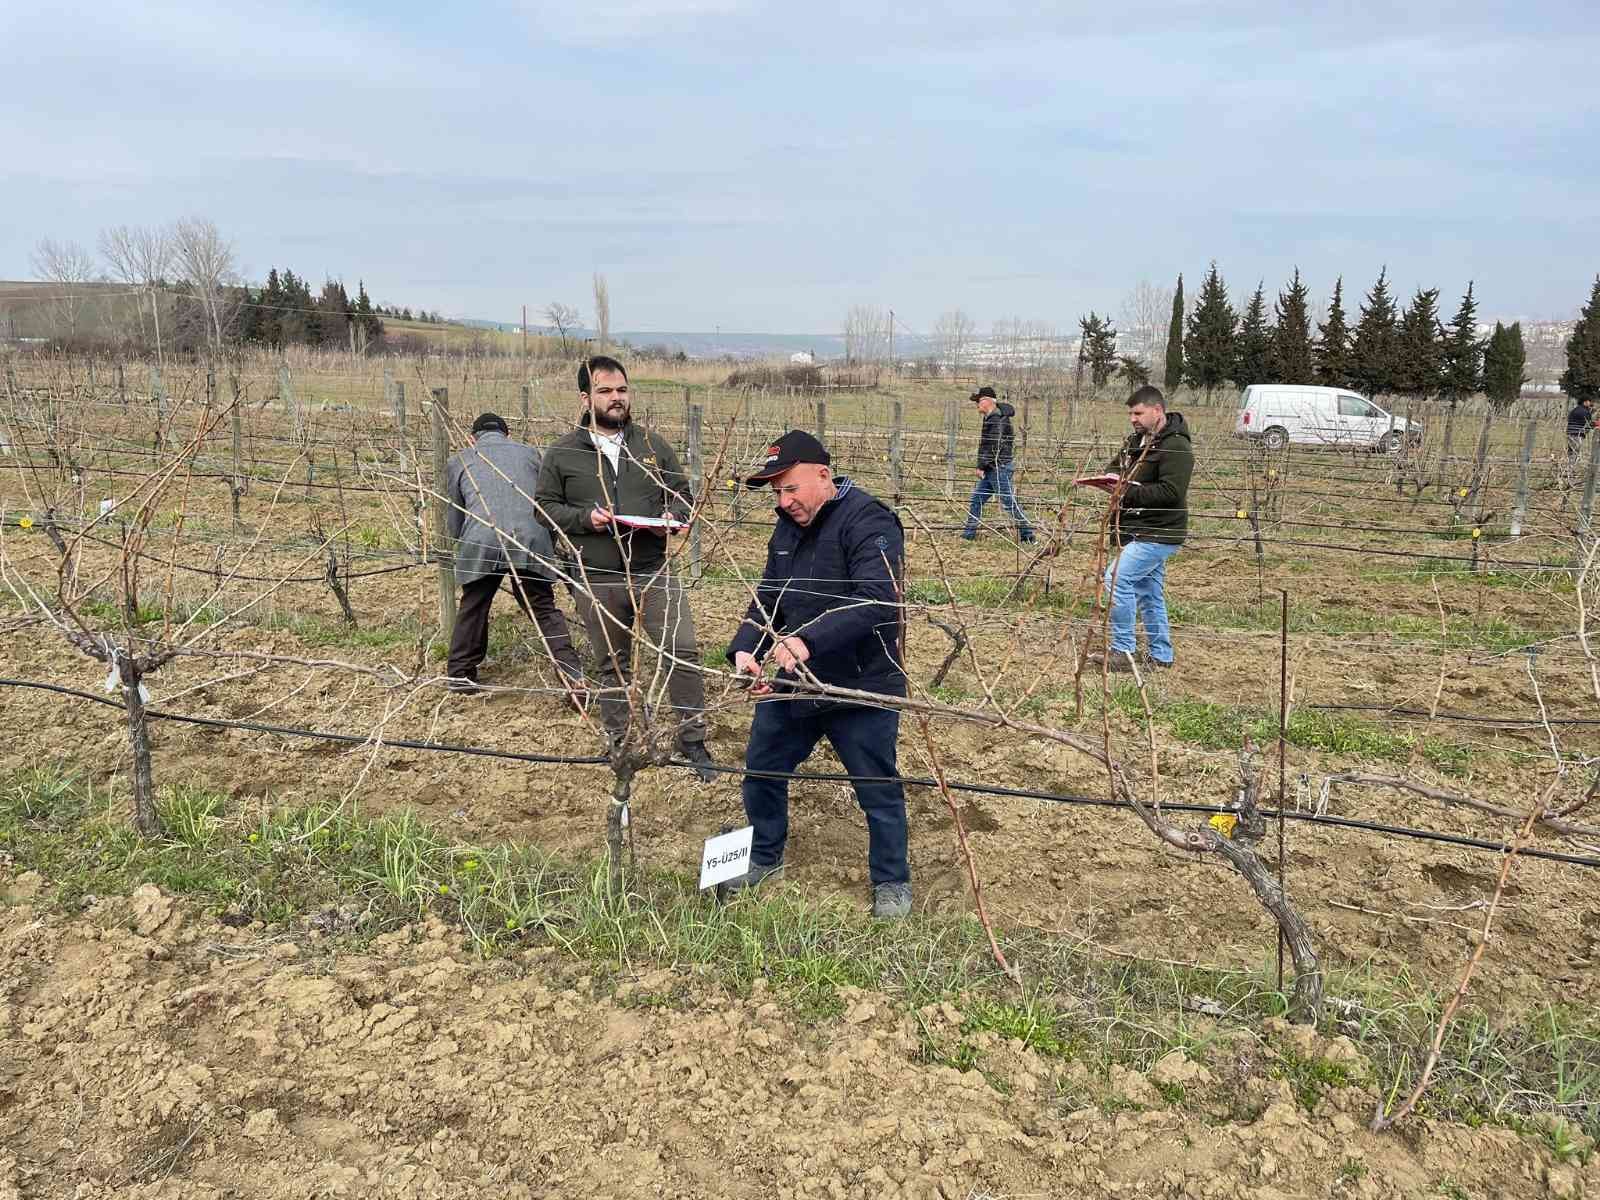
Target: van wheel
[1390,442]
[1275,438]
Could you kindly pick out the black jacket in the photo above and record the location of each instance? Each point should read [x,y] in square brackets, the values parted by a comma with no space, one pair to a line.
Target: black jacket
[835,583]
[649,481]
[996,443]
[1578,421]
[1155,503]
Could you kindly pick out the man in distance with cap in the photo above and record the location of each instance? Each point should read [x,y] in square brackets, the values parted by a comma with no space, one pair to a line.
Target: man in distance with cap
[594,480]
[489,487]
[996,447]
[828,609]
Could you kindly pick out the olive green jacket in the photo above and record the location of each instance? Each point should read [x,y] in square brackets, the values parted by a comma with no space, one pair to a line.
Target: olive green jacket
[576,477]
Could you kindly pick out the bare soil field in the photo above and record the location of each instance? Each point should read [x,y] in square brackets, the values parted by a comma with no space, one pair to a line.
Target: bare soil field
[154,1053]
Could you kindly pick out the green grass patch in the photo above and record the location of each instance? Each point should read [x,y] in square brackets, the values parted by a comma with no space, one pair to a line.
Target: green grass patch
[1223,727]
[381,873]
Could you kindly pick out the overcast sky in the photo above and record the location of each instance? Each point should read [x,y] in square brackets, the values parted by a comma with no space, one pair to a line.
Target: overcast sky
[764,166]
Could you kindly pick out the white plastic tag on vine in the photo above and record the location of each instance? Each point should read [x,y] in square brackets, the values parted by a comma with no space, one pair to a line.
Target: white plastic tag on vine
[726,856]
[113,679]
[144,693]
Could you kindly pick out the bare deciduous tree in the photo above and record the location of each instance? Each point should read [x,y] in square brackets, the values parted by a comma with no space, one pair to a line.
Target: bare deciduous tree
[602,310]
[141,257]
[69,268]
[866,334]
[1146,314]
[563,317]
[952,335]
[205,261]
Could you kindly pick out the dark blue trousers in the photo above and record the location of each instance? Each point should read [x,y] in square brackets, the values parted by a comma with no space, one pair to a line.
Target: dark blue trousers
[783,734]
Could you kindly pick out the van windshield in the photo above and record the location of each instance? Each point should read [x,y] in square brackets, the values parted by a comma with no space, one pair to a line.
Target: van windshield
[1355,406]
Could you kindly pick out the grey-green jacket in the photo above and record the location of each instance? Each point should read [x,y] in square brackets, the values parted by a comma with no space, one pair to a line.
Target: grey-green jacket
[490,489]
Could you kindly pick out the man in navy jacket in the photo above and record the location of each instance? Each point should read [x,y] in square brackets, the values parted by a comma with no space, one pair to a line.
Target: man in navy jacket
[827,610]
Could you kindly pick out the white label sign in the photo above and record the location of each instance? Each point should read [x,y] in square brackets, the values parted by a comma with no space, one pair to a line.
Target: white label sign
[727,856]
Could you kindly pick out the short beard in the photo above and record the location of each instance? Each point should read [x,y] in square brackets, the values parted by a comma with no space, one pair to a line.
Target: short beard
[603,421]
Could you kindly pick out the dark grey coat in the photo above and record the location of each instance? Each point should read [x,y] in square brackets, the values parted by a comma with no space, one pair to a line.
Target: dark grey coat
[490,488]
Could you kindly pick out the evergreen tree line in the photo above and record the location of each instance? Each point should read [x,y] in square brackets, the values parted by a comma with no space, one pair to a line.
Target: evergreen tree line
[285,312]
[1389,350]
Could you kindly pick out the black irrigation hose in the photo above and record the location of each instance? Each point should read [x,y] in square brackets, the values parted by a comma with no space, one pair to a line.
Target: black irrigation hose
[1426,835]
[291,731]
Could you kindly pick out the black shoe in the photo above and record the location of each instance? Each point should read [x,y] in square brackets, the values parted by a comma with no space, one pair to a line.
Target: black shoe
[757,873]
[463,685]
[1028,539]
[699,760]
[1157,663]
[969,537]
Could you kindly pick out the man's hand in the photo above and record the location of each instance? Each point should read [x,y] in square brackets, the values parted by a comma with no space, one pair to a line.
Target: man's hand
[745,663]
[790,653]
[600,518]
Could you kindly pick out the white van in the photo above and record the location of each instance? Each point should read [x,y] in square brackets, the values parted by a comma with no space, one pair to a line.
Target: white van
[1280,413]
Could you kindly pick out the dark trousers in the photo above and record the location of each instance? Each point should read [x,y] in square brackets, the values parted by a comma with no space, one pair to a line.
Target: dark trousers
[469,640]
[668,654]
[784,733]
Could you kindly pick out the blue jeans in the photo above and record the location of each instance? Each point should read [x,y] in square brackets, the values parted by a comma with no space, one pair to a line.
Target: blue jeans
[784,733]
[996,481]
[1140,569]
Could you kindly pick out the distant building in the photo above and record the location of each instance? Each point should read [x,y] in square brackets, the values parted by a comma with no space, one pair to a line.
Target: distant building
[803,358]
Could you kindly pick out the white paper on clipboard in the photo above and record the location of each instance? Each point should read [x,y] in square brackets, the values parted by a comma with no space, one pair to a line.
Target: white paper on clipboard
[647,522]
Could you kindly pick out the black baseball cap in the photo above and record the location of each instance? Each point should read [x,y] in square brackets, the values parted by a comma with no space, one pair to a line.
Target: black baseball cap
[490,423]
[796,446]
[985,390]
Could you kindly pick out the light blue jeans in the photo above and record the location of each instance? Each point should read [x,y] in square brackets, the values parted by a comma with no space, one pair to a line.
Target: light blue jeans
[1140,571]
[996,481]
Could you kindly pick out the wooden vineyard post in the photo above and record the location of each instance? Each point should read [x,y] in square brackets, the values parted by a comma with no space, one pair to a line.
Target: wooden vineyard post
[1022,434]
[444,552]
[697,478]
[400,423]
[236,418]
[158,401]
[1586,513]
[897,443]
[1050,425]
[122,386]
[822,421]
[1520,512]
[952,428]
[527,412]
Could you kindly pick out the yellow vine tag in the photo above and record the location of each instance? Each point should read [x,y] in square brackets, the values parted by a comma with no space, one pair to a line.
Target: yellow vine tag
[1223,823]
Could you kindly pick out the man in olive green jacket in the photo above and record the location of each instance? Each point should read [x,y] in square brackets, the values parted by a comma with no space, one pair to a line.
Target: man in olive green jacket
[595,485]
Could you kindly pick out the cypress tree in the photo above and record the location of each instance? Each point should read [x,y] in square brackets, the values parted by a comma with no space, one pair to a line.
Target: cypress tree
[1581,379]
[1174,374]
[1208,347]
[1099,347]
[1291,335]
[1503,363]
[1253,348]
[1332,352]
[1461,369]
[1372,349]
[1418,353]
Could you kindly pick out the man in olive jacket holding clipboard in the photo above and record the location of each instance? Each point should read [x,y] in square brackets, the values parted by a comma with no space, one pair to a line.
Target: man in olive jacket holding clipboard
[1152,471]
[618,492]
